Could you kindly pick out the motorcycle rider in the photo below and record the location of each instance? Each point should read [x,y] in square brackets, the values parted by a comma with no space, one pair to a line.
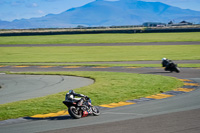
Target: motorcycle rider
[166,63]
[71,96]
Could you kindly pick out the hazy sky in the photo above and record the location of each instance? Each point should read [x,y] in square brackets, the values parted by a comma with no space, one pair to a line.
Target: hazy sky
[18,9]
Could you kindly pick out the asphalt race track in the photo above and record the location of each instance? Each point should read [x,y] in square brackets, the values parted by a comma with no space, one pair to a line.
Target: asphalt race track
[178,114]
[22,87]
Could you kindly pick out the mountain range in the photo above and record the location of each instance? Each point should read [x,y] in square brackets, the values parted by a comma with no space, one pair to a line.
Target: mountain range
[108,13]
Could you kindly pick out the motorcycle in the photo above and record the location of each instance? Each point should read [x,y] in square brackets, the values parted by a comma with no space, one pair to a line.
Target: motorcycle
[172,67]
[81,108]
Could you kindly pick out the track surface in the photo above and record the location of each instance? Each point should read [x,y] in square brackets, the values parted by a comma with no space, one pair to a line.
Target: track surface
[179,114]
[22,87]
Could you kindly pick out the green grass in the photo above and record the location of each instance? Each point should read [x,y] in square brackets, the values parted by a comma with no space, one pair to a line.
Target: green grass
[108,87]
[102,38]
[95,65]
[98,53]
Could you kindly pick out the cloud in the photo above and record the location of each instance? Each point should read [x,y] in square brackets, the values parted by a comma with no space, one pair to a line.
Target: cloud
[40,12]
[34,4]
[31,5]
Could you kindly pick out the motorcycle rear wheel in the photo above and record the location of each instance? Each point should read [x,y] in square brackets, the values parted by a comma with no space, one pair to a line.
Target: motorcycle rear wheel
[74,113]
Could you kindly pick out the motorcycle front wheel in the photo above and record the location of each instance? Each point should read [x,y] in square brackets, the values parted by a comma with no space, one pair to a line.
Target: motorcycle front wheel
[95,111]
[74,113]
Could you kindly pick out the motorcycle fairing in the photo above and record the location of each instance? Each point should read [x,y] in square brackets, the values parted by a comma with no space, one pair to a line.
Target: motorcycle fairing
[85,113]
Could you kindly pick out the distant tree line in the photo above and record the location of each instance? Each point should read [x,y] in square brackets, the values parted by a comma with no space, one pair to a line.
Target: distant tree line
[149,27]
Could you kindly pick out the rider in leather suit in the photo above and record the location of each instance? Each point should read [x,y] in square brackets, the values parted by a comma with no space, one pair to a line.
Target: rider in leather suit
[71,96]
[166,63]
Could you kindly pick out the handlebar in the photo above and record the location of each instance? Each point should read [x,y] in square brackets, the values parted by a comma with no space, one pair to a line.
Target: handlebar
[86,98]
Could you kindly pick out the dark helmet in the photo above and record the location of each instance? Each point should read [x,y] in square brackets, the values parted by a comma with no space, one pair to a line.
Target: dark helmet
[71,92]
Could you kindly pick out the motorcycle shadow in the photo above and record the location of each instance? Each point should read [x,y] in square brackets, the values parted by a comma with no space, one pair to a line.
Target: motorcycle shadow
[50,118]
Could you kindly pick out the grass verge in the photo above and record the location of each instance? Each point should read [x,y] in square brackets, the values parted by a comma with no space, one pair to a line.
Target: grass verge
[102,38]
[98,53]
[108,87]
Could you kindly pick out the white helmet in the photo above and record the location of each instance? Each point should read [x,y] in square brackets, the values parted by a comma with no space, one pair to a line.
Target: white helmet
[163,59]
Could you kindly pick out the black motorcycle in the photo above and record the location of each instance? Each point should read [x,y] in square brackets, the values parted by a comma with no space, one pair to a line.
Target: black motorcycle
[172,67]
[81,108]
